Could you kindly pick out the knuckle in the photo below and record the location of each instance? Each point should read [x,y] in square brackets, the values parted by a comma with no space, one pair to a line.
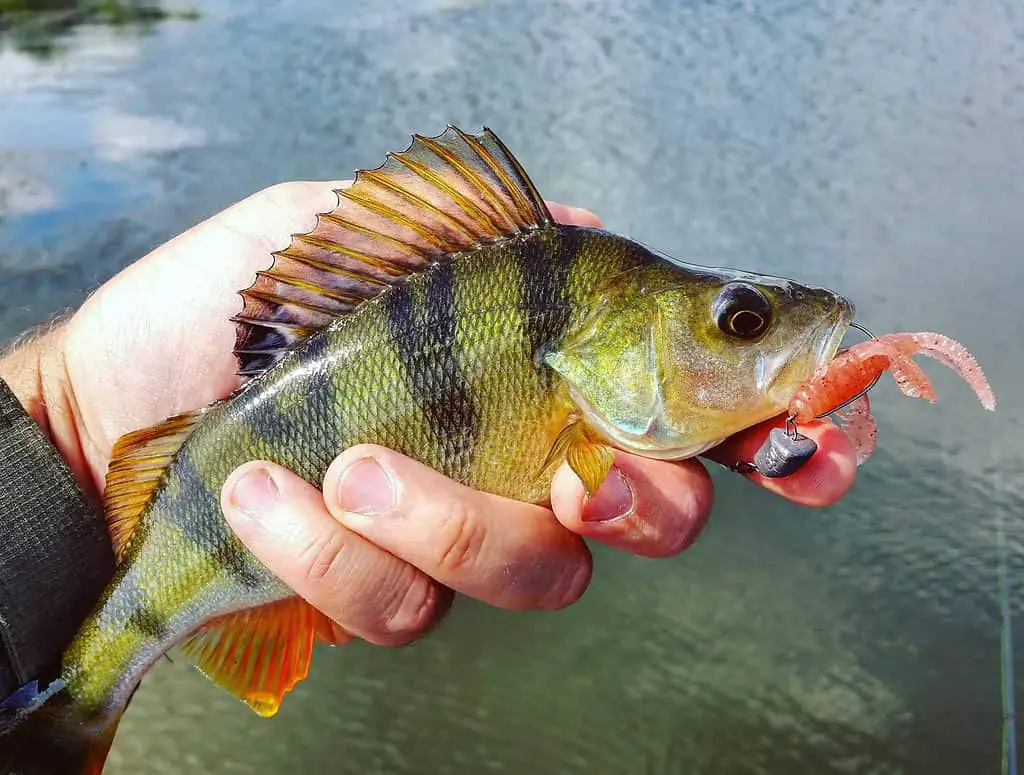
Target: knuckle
[321,557]
[413,609]
[460,538]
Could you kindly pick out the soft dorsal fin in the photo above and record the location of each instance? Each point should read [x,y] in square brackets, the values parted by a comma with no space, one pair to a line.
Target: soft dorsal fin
[138,463]
[441,195]
[259,654]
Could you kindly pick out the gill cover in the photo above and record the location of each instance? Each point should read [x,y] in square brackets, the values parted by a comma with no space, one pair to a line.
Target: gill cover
[610,367]
[672,359]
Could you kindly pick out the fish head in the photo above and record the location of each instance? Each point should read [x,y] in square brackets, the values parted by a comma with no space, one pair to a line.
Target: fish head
[669,360]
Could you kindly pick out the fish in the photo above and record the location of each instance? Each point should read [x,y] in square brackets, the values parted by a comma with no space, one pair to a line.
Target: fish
[440,311]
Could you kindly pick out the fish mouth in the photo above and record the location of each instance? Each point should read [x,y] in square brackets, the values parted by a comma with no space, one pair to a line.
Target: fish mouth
[831,334]
[818,348]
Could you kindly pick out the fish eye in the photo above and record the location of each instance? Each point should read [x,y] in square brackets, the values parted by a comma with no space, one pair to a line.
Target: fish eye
[741,311]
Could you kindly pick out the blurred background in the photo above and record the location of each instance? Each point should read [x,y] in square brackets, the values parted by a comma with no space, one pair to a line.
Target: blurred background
[874,146]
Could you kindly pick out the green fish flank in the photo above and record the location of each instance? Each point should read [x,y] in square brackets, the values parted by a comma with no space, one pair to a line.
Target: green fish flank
[440,312]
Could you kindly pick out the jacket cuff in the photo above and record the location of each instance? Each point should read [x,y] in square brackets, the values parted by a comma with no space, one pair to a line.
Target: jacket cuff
[55,552]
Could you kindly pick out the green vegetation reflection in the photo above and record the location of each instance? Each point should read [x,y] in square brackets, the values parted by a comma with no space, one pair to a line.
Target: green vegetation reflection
[42,27]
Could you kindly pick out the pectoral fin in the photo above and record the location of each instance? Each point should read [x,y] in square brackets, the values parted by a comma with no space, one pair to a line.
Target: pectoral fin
[590,460]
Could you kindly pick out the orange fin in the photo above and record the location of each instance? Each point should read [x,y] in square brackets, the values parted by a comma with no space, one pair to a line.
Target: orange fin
[590,461]
[259,654]
[96,759]
[137,466]
[441,195]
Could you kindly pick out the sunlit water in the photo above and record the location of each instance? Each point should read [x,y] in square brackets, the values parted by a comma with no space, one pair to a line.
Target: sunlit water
[875,147]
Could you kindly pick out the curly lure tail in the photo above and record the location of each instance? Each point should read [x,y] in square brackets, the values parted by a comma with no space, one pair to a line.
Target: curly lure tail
[48,734]
[852,371]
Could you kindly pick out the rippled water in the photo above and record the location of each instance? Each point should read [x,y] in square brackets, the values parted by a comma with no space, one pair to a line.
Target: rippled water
[876,147]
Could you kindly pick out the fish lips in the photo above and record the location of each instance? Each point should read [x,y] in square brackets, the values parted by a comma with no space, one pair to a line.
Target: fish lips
[833,331]
[821,344]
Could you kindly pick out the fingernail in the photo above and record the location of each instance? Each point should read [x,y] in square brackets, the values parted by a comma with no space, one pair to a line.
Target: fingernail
[366,488]
[615,499]
[255,494]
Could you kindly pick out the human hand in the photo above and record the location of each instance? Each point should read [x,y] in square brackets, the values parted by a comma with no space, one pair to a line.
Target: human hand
[156,340]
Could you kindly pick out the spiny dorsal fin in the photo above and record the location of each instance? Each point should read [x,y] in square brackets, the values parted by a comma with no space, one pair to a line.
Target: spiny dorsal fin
[441,195]
[258,654]
[137,466]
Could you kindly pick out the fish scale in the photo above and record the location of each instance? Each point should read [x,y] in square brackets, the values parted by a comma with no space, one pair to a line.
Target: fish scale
[437,310]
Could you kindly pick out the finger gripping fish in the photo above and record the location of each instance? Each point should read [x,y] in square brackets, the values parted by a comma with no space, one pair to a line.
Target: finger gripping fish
[440,311]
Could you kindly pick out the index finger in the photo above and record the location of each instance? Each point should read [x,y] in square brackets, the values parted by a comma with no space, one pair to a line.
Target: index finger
[573,216]
[822,481]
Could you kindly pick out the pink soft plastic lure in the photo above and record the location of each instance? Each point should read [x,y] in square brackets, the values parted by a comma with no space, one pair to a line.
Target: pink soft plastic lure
[852,371]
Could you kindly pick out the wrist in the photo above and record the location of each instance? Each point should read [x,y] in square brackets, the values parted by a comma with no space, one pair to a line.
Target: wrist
[36,373]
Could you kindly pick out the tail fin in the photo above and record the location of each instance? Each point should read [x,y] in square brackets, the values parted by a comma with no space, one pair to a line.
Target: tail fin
[46,734]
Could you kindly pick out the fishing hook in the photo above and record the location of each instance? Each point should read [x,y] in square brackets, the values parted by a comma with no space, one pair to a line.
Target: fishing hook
[786,450]
[857,395]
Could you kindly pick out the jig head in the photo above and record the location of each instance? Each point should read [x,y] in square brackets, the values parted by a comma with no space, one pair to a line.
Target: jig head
[786,450]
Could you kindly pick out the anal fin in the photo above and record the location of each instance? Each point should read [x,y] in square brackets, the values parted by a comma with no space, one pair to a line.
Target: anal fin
[259,654]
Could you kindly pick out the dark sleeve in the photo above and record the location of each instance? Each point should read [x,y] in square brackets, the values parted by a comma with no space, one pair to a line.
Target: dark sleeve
[55,553]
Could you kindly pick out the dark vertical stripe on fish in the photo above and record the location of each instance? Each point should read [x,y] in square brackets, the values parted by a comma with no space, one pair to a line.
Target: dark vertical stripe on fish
[299,427]
[546,308]
[422,328]
[234,557]
[148,622]
[191,494]
[193,497]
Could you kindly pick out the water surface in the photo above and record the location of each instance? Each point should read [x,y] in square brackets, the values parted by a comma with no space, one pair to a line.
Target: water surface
[875,147]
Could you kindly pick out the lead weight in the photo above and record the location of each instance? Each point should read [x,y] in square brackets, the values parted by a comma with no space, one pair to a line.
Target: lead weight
[783,454]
